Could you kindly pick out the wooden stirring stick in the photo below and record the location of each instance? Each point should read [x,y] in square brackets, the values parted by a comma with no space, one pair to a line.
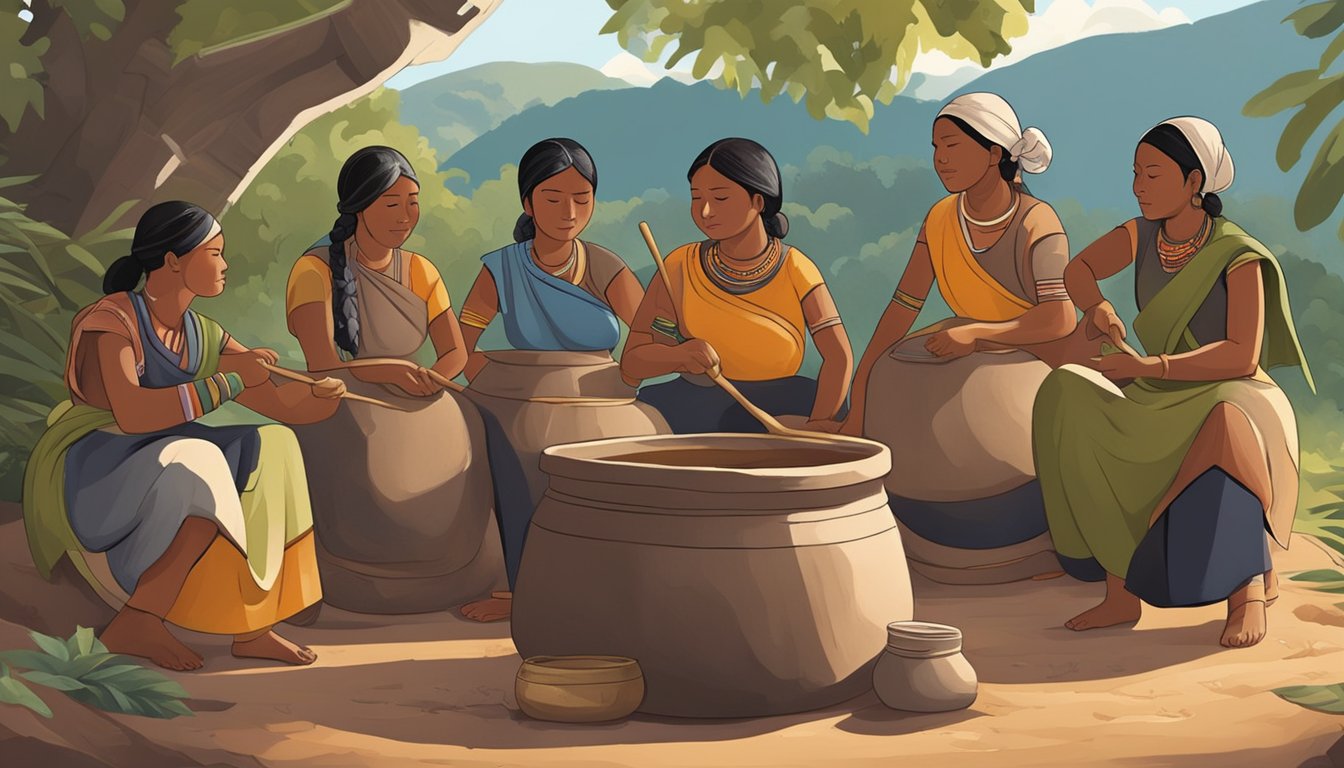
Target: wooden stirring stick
[293,376]
[771,424]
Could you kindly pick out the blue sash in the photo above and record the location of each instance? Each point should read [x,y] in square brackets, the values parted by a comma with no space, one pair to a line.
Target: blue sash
[544,313]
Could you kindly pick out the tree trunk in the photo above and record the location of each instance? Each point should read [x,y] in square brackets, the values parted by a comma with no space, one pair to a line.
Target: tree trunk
[122,123]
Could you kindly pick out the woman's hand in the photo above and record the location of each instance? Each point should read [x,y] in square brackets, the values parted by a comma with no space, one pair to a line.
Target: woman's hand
[328,388]
[1101,322]
[953,342]
[248,365]
[416,382]
[1120,366]
[828,426]
[698,356]
[269,355]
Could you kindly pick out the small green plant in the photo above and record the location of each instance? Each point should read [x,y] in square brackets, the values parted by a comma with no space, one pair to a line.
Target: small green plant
[83,669]
[1321,698]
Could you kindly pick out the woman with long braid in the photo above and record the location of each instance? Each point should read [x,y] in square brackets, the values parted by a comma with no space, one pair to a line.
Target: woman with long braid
[401,504]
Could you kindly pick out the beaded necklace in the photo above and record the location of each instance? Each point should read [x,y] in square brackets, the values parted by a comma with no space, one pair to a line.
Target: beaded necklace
[743,279]
[1176,254]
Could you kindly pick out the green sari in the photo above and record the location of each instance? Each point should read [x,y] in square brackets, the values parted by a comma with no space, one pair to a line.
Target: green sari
[1106,456]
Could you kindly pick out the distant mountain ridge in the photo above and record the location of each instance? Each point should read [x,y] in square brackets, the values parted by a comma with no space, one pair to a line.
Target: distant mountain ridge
[1091,106]
[454,109]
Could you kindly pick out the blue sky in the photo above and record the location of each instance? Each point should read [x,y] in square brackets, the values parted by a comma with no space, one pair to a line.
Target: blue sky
[567,30]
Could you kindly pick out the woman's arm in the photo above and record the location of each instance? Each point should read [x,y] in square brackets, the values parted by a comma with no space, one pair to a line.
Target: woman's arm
[647,357]
[897,318]
[451,348]
[312,325]
[624,295]
[478,311]
[1106,257]
[837,357]
[1238,356]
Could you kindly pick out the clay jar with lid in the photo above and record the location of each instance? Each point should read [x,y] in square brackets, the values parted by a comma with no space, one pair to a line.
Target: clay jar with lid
[922,669]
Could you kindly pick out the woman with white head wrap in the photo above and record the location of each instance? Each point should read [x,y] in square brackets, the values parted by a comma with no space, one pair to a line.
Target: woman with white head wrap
[997,255]
[1166,487]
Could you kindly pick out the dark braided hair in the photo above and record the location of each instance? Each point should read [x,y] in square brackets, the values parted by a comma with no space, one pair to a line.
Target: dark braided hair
[364,178]
[542,161]
[750,166]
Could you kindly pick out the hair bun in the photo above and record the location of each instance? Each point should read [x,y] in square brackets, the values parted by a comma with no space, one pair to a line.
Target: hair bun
[524,229]
[123,275]
[1213,204]
[777,225]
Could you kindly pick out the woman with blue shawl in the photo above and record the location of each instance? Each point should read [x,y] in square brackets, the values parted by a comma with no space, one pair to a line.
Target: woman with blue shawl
[553,293]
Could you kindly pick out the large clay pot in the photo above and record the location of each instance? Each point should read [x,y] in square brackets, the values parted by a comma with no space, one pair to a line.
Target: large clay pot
[748,575]
[402,503]
[549,398]
[963,479]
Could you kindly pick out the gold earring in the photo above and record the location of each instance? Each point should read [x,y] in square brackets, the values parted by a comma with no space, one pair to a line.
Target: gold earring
[1197,201]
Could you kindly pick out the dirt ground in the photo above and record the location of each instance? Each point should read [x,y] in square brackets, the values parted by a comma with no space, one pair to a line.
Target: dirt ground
[433,690]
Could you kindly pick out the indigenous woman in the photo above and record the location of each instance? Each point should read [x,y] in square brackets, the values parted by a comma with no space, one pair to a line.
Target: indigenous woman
[963,484]
[561,301]
[401,502]
[208,528]
[741,302]
[1170,482]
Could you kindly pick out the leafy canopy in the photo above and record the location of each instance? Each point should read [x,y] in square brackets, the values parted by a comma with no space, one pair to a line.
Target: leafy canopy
[840,56]
[1314,94]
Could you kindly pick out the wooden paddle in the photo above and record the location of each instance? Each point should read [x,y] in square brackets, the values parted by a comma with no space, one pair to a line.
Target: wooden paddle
[771,424]
[294,376]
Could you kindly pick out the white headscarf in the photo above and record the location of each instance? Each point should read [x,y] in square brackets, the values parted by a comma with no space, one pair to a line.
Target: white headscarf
[1208,144]
[994,118]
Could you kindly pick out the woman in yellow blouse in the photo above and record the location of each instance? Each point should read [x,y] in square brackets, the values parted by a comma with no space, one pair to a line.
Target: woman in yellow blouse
[742,301]
[402,506]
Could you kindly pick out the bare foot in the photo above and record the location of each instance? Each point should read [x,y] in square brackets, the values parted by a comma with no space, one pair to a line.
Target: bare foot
[1246,619]
[136,633]
[274,647]
[1120,606]
[497,607]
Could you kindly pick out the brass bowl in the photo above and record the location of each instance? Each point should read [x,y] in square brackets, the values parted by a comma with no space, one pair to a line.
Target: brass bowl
[579,689]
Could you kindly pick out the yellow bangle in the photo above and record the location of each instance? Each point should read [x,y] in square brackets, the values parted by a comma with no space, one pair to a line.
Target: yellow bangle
[1166,365]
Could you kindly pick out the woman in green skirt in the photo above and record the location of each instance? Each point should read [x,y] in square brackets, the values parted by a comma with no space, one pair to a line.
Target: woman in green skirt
[1162,472]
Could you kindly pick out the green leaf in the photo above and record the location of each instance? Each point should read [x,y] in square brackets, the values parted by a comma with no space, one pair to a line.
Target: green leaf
[80,643]
[1321,698]
[93,18]
[1324,185]
[59,682]
[50,645]
[14,692]
[90,262]
[1320,575]
[1318,19]
[1287,92]
[1303,124]
[24,659]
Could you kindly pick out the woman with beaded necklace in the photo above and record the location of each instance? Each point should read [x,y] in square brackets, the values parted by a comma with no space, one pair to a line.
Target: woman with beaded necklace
[963,487]
[1170,483]
[743,301]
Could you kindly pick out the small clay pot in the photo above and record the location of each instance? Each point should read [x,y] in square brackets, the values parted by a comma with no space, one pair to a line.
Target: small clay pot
[922,669]
[579,689]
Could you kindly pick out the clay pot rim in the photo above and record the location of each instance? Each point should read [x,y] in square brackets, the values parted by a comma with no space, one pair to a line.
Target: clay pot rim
[604,670]
[539,358]
[870,461]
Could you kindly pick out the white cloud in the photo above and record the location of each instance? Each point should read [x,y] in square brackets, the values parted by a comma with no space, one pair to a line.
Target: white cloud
[1065,21]
[628,67]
